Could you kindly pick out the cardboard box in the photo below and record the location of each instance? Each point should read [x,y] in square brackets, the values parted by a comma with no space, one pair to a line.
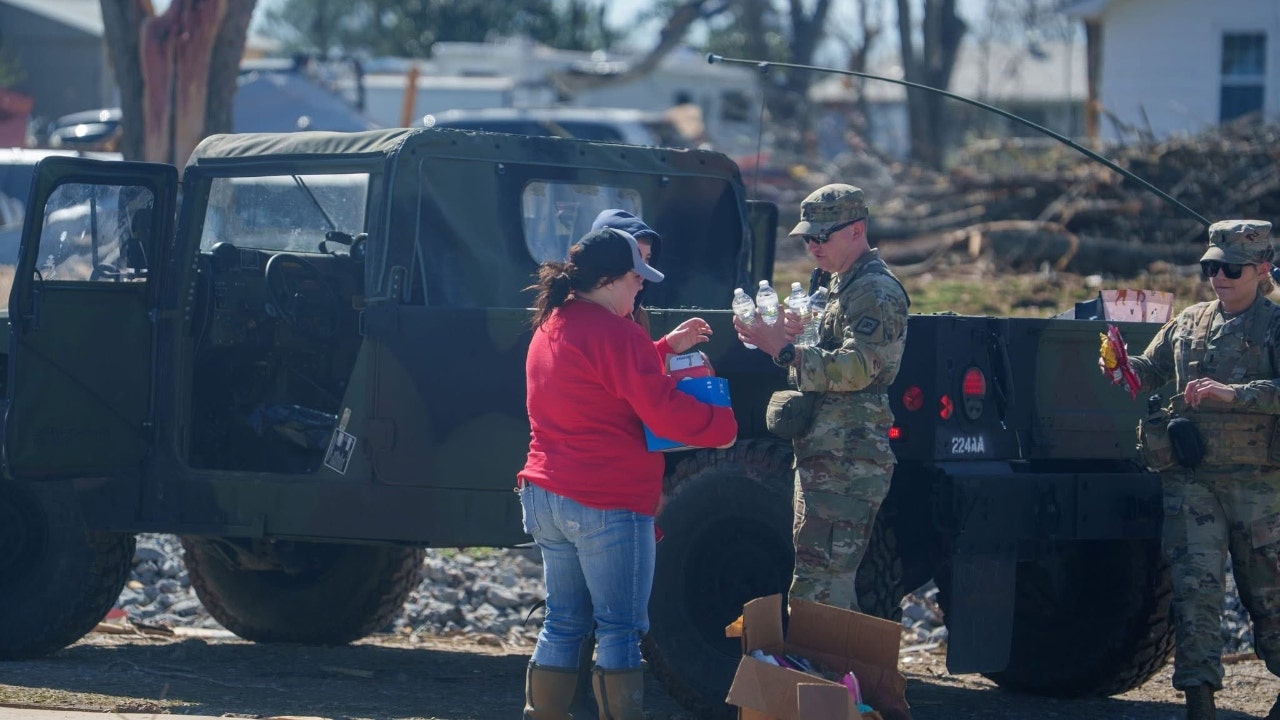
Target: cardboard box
[689,365]
[835,640]
[714,390]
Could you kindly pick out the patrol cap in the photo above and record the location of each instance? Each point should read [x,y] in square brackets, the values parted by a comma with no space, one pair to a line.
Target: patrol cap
[829,206]
[1239,241]
[609,252]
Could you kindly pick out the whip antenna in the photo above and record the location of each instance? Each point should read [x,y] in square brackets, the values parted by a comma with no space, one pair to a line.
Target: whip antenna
[712,58]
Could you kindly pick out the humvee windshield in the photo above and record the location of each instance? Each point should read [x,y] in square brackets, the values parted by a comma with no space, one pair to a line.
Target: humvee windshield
[284,212]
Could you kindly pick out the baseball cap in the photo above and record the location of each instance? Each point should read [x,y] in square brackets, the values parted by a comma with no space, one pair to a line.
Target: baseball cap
[625,221]
[609,252]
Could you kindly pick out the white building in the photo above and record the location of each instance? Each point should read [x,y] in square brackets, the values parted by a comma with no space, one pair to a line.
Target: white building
[1180,66]
[1044,83]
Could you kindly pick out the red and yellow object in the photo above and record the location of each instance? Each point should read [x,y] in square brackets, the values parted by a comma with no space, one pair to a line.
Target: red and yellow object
[1115,361]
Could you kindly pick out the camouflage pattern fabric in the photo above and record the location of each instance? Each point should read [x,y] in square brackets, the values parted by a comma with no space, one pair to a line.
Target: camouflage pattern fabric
[829,206]
[1221,507]
[844,462]
[1208,511]
[1239,241]
[1242,351]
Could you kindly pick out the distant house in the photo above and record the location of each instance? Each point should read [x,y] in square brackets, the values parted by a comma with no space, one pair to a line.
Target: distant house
[1178,66]
[58,46]
[1044,83]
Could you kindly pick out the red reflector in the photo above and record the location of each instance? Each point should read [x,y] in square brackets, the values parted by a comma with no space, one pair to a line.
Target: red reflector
[974,384]
[913,398]
[895,433]
[945,407]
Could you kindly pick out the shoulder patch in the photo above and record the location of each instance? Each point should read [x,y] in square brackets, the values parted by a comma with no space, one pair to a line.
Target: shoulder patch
[866,326]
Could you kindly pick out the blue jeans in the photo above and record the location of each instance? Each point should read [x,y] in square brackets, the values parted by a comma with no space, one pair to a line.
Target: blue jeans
[598,566]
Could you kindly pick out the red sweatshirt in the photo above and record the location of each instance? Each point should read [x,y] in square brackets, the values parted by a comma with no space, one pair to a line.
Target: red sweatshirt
[594,379]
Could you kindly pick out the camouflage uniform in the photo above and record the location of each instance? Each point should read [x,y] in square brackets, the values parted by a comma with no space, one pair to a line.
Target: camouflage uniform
[1232,500]
[844,462]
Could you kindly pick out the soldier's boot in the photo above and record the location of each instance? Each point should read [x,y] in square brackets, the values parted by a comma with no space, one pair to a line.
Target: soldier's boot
[548,692]
[1200,703]
[619,693]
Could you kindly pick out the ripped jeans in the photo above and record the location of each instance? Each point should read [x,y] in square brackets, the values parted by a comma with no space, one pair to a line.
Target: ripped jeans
[598,567]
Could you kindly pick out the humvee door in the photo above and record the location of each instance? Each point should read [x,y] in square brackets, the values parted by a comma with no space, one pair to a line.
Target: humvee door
[81,311]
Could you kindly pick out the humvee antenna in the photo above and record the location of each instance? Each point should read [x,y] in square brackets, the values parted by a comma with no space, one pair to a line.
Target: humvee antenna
[764,66]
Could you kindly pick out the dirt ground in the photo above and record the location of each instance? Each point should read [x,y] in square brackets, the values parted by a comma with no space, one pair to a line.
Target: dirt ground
[480,678]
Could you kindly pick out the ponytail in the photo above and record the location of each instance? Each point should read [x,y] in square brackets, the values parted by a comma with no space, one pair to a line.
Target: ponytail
[555,282]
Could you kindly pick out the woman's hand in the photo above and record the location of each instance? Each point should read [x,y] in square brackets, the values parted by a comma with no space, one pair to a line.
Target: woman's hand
[1201,389]
[687,334]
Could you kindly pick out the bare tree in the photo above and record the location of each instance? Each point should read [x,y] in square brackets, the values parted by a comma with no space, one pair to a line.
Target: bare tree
[176,71]
[941,31]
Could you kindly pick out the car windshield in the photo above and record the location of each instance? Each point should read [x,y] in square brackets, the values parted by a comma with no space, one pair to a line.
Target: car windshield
[284,212]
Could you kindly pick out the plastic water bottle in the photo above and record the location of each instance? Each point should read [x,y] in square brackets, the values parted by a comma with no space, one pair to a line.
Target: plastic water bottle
[798,301]
[767,302]
[745,309]
[817,306]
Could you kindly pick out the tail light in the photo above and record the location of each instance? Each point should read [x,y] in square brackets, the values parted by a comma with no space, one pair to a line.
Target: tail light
[945,407]
[895,433]
[913,398]
[973,390]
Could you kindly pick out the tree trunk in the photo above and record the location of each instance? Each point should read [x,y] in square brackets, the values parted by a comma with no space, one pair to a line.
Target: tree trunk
[224,65]
[941,32]
[121,20]
[176,72]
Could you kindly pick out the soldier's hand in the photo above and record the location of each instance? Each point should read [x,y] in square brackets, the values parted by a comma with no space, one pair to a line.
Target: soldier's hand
[792,323]
[1202,389]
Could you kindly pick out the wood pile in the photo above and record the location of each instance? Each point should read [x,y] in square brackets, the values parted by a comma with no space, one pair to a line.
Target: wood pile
[1027,205]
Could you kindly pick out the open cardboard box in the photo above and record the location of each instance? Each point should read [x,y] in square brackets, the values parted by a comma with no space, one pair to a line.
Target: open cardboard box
[834,640]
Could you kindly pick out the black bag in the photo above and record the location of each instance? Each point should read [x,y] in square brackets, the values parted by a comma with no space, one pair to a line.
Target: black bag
[790,413]
[1188,446]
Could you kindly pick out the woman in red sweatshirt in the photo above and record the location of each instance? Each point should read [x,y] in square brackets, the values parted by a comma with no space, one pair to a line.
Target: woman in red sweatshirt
[589,488]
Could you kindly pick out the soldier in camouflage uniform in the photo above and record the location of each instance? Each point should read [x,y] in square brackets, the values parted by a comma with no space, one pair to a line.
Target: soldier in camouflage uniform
[843,462]
[1224,359]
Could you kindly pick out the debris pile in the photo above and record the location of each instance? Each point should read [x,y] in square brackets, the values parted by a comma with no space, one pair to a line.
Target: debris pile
[1024,203]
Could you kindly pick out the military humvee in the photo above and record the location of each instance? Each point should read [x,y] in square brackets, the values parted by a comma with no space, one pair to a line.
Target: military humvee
[312,369]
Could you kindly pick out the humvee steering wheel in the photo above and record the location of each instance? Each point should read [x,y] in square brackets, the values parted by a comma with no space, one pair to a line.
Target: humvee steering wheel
[301,296]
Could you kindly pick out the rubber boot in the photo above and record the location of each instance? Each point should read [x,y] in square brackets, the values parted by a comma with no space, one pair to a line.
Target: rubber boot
[548,692]
[1200,703]
[619,693]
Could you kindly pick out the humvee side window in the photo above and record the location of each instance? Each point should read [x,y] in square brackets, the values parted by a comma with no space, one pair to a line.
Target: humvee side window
[284,212]
[556,214]
[98,233]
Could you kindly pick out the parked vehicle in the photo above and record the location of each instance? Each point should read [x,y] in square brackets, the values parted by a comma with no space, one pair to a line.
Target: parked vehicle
[313,368]
[615,125]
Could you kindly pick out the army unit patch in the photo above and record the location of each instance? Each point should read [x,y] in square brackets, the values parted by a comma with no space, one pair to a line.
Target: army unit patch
[866,326]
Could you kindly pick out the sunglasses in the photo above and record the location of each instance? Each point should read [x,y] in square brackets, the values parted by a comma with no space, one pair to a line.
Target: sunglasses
[1209,268]
[822,238]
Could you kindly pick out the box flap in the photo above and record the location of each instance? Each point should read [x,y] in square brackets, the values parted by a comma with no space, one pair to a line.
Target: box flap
[832,631]
[762,625]
[769,689]
[825,702]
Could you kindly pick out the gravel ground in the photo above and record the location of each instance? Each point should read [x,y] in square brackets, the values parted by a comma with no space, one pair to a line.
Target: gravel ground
[458,649]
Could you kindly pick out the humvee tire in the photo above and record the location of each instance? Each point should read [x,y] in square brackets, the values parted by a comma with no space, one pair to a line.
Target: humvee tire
[726,540]
[1093,620]
[330,593]
[57,579]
